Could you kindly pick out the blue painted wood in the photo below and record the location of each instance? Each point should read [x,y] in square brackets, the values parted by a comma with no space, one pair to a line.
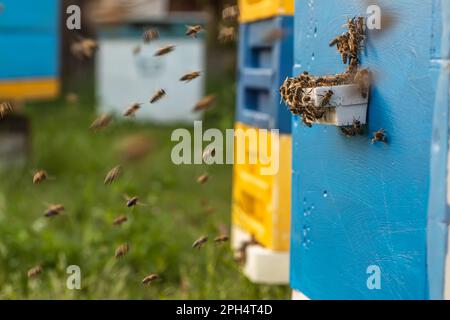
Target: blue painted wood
[29,14]
[438,207]
[263,66]
[356,204]
[29,30]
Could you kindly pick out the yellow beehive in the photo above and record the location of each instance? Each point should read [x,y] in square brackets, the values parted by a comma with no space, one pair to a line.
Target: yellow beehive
[252,10]
[262,203]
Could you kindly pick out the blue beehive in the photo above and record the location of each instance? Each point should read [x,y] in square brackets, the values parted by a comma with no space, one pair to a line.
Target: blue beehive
[359,207]
[29,61]
[264,64]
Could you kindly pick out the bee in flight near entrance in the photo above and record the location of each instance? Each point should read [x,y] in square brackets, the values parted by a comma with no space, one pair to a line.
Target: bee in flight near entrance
[200,242]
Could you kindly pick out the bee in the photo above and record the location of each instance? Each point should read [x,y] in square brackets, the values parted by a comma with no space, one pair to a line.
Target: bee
[131,110]
[84,48]
[221,239]
[54,210]
[132,201]
[190,76]
[101,122]
[122,250]
[348,131]
[158,96]
[357,127]
[40,176]
[72,97]
[379,136]
[137,50]
[120,220]
[112,175]
[34,272]
[149,35]
[164,50]
[227,34]
[208,154]
[204,103]
[230,12]
[200,242]
[203,178]
[5,109]
[326,98]
[274,35]
[149,279]
[192,31]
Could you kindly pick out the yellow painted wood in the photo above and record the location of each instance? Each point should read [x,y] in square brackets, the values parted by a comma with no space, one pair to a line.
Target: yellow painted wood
[253,10]
[262,203]
[29,89]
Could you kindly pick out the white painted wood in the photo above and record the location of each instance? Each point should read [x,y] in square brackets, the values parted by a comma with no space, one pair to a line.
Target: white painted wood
[297,295]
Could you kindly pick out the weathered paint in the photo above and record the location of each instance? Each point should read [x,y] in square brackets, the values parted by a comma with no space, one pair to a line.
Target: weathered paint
[356,204]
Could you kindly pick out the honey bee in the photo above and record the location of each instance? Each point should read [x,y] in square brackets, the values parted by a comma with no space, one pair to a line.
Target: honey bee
[72,97]
[164,50]
[120,220]
[221,239]
[357,127]
[132,201]
[149,279]
[227,34]
[149,35]
[203,178]
[158,96]
[34,272]
[137,50]
[40,176]
[101,122]
[230,12]
[200,242]
[379,136]
[122,250]
[326,98]
[84,48]
[348,131]
[131,110]
[5,109]
[54,210]
[190,76]
[112,175]
[204,103]
[192,31]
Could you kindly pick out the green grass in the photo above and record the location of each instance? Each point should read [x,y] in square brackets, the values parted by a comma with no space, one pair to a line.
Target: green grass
[160,234]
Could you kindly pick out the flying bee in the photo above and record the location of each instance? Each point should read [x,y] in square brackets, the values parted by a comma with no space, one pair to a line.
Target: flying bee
[150,34]
[132,110]
[192,31]
[161,93]
[5,109]
[226,34]
[149,279]
[203,178]
[204,103]
[112,175]
[34,272]
[54,210]
[230,12]
[40,176]
[326,98]
[190,76]
[137,50]
[379,136]
[72,97]
[122,250]
[221,239]
[84,48]
[101,122]
[120,220]
[200,242]
[164,50]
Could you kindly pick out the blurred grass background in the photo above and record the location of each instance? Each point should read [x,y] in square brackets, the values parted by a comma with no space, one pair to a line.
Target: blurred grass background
[160,234]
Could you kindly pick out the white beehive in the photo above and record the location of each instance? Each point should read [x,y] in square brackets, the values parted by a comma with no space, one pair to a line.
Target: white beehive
[346,104]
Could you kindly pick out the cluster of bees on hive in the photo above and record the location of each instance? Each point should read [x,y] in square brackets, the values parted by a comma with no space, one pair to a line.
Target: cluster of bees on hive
[296,91]
[84,48]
